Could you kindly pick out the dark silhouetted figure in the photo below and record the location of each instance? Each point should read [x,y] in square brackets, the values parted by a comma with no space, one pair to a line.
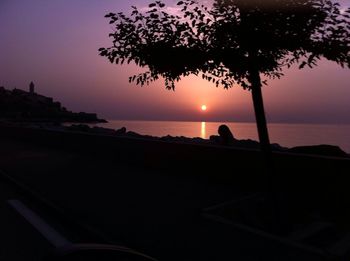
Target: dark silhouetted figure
[121,131]
[31,88]
[226,136]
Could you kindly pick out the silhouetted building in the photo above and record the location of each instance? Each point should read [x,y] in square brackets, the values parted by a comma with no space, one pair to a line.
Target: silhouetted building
[29,106]
[31,88]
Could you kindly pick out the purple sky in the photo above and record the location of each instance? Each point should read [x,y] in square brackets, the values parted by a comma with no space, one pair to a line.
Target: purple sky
[55,42]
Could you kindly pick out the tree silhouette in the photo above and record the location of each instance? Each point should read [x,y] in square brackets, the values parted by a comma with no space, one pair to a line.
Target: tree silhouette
[233,42]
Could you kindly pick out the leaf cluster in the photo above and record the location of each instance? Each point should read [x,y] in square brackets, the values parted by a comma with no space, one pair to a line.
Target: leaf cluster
[227,41]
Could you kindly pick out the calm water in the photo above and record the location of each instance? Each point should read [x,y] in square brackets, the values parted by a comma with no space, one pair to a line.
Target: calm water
[288,135]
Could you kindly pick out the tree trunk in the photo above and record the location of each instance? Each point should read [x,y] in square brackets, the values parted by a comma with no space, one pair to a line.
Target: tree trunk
[274,197]
[260,115]
[263,132]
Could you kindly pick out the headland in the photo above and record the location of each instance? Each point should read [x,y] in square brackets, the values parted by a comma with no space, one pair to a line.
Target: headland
[28,106]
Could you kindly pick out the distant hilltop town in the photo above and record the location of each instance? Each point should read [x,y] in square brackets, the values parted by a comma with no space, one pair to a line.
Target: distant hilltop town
[20,105]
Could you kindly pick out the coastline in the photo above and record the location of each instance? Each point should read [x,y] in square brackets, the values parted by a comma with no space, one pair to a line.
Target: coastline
[109,139]
[213,141]
[287,135]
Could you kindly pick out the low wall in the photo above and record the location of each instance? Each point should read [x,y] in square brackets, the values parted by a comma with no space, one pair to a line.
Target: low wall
[167,154]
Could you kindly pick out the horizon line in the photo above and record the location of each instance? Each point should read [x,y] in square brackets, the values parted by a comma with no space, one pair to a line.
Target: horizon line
[228,121]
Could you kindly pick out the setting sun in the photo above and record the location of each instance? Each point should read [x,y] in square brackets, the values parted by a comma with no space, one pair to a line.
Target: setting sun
[204,107]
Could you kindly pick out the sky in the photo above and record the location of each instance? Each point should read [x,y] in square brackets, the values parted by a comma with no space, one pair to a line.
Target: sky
[54,43]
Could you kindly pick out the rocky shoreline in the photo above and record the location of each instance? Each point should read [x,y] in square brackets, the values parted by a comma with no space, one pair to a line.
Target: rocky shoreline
[215,140]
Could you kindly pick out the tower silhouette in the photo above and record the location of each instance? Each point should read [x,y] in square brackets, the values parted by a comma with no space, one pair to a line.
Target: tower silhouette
[31,87]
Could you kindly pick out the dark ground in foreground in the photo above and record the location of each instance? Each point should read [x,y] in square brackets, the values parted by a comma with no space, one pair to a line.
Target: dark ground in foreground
[156,210]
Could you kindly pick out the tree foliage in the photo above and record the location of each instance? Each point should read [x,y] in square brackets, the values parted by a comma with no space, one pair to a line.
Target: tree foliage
[224,43]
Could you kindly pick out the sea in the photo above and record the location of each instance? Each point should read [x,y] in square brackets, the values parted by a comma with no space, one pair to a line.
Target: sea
[287,135]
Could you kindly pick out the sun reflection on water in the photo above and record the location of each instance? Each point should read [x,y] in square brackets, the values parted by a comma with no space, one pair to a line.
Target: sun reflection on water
[203,130]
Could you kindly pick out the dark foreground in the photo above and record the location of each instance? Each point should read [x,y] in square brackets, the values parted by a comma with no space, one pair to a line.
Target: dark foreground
[152,196]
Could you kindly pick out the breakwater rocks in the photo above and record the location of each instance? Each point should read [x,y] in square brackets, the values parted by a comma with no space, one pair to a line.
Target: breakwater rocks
[216,140]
